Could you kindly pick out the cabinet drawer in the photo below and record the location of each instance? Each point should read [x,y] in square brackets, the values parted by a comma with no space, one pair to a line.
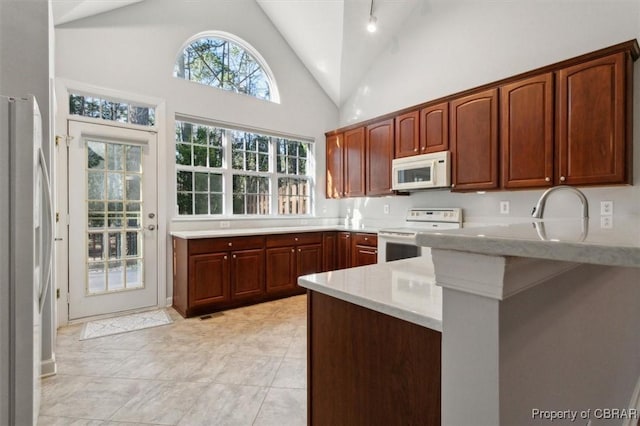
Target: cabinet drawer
[362,239]
[211,245]
[281,240]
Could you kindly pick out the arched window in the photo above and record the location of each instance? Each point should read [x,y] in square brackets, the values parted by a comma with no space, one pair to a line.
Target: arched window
[222,60]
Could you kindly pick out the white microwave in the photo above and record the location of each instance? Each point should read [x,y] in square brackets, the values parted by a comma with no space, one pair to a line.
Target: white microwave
[422,171]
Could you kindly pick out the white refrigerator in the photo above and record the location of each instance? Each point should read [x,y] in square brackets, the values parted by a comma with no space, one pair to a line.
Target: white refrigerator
[26,238]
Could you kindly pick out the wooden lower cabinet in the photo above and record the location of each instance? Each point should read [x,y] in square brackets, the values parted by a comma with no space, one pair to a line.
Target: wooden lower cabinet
[247,276]
[364,249]
[209,274]
[368,368]
[213,274]
[281,268]
[344,250]
[329,251]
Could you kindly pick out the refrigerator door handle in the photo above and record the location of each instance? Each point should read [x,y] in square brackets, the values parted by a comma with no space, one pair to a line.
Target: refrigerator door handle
[48,260]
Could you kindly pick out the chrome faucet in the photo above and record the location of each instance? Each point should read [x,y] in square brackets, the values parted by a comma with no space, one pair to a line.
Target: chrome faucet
[538,210]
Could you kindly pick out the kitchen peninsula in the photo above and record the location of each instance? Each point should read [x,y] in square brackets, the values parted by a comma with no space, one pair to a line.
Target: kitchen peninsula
[540,315]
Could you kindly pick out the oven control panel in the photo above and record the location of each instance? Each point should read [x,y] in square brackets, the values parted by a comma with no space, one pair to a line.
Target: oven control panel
[453,215]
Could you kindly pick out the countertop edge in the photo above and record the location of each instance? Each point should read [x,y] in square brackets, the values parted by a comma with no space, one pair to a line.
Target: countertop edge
[221,233]
[307,282]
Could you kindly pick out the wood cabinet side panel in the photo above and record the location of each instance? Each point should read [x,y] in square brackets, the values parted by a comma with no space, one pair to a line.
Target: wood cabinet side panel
[367,368]
[335,166]
[181,275]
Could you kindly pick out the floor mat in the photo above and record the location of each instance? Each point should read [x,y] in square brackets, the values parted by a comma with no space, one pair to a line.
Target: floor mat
[124,324]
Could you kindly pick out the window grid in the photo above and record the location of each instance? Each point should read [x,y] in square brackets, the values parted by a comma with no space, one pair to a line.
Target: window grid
[242,180]
[111,110]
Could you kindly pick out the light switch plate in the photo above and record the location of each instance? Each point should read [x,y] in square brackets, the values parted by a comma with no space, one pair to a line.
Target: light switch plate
[606,222]
[606,208]
[386,209]
[224,224]
[504,207]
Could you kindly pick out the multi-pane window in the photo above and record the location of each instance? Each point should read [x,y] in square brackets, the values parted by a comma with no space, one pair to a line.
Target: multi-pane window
[294,195]
[111,110]
[234,172]
[225,64]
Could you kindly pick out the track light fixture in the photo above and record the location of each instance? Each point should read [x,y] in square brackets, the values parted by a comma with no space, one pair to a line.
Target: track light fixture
[372,26]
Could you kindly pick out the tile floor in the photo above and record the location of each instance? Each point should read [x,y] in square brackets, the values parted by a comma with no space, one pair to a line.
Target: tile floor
[245,366]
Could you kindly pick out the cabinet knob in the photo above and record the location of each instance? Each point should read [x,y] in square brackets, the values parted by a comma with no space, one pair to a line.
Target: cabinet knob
[348,235]
[299,250]
[225,258]
[453,185]
[234,256]
[562,178]
[415,149]
[296,238]
[230,244]
[547,179]
[293,250]
[366,239]
[424,148]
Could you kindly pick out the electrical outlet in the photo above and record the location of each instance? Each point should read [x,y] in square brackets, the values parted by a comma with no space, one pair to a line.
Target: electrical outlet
[606,222]
[224,224]
[386,209]
[504,207]
[606,208]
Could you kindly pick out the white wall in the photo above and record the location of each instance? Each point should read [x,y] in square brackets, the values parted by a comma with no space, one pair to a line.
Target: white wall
[450,46]
[134,49]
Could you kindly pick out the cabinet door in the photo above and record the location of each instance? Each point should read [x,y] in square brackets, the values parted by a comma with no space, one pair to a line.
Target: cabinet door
[474,141]
[248,273]
[335,166]
[344,250]
[434,128]
[407,141]
[591,122]
[329,251]
[208,279]
[309,259]
[363,255]
[526,136]
[354,163]
[281,269]
[379,150]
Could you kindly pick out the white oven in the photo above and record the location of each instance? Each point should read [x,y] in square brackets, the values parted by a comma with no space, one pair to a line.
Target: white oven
[400,243]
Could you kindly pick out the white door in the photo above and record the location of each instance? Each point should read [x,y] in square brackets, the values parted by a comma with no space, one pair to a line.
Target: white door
[113,244]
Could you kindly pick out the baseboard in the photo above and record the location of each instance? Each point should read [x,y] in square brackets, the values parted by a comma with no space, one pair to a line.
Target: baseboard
[169,301]
[48,367]
[634,404]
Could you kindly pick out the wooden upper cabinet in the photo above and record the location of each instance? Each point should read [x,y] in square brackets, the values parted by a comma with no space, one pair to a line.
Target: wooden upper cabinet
[354,163]
[592,142]
[379,153]
[434,128]
[474,141]
[335,166]
[407,141]
[526,136]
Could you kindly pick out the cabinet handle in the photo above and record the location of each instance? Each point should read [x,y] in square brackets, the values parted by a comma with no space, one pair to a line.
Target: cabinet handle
[562,178]
[547,179]
[230,244]
[369,252]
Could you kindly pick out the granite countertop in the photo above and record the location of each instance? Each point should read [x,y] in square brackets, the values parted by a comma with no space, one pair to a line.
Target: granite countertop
[213,233]
[572,240]
[404,289]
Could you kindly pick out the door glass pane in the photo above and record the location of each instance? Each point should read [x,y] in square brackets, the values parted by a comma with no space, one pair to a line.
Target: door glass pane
[114,217]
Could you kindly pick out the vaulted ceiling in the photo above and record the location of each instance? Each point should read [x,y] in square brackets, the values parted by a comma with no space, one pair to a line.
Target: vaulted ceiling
[329,36]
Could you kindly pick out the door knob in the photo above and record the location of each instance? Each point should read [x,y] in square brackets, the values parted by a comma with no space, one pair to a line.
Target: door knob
[151,227]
